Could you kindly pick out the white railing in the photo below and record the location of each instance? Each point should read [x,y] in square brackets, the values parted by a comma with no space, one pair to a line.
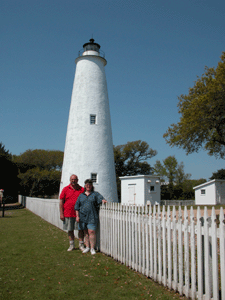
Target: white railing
[179,249]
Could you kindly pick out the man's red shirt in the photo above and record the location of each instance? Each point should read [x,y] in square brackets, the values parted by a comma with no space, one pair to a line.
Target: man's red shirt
[69,196]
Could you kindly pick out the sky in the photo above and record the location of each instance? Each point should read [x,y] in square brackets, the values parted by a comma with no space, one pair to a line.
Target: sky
[154,50]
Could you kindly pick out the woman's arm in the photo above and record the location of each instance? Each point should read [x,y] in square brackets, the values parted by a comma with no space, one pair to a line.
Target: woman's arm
[100,199]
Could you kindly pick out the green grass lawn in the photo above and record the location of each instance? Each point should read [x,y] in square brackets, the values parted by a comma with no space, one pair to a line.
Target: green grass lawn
[34,264]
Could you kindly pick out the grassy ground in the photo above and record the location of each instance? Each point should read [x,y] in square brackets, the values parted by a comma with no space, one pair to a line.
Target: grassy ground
[34,264]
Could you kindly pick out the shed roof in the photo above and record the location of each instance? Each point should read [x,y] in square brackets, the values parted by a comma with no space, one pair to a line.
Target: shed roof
[208,183]
[139,176]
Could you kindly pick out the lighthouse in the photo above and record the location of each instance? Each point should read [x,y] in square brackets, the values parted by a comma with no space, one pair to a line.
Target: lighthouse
[89,147]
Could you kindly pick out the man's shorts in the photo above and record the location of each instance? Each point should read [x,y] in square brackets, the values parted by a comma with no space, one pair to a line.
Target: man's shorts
[85,226]
[70,224]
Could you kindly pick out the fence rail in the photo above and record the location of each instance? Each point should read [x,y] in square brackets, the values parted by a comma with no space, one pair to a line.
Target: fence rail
[177,248]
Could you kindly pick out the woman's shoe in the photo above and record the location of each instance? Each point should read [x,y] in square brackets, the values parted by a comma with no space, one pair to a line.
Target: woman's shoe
[93,251]
[86,250]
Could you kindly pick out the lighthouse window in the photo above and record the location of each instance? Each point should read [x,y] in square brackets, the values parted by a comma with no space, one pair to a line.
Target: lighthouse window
[92,119]
[94,177]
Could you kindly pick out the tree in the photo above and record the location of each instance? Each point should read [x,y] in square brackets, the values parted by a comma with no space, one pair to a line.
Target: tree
[8,175]
[39,172]
[36,182]
[131,159]
[43,159]
[202,121]
[5,153]
[173,172]
[220,174]
[187,187]
[180,174]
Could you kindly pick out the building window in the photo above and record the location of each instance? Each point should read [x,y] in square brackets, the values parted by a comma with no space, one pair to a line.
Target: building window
[94,177]
[92,119]
[202,192]
[152,188]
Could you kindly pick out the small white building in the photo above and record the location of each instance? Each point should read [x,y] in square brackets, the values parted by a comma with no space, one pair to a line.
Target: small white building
[210,193]
[140,189]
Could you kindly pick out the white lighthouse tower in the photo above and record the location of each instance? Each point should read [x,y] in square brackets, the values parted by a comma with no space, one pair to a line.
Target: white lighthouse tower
[89,147]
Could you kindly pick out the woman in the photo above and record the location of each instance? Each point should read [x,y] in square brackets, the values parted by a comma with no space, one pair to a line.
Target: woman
[87,208]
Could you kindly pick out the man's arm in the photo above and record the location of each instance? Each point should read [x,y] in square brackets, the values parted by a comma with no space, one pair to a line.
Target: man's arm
[61,210]
[77,208]
[77,216]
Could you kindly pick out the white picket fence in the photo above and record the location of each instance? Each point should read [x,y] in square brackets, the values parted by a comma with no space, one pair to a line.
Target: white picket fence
[182,251]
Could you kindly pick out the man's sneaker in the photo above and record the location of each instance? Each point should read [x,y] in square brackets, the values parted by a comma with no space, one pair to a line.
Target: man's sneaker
[86,250]
[81,247]
[71,248]
[93,251]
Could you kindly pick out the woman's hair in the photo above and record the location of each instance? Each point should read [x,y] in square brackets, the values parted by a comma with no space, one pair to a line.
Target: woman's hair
[90,182]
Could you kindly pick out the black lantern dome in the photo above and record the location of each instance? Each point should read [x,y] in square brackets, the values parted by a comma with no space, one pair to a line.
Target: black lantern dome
[91,46]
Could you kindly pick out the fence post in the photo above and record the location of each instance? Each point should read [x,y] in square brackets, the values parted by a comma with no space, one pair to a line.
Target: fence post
[154,243]
[199,255]
[151,256]
[139,238]
[207,252]
[147,241]
[222,252]
[2,202]
[180,252]
[133,236]
[215,256]
[129,237]
[186,253]
[193,257]
[159,246]
[164,244]
[136,237]
[3,207]
[143,239]
[169,250]
[175,272]
[124,237]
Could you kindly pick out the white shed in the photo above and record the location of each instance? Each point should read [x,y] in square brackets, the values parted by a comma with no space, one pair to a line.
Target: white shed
[140,189]
[210,193]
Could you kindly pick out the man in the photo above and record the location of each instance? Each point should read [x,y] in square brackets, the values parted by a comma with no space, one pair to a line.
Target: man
[68,198]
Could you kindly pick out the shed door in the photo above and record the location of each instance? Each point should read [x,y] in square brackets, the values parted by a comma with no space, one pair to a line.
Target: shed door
[132,194]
